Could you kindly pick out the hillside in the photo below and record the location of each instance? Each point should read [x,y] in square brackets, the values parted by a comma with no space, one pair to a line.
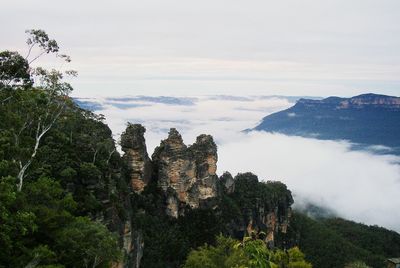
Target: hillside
[334,242]
[367,120]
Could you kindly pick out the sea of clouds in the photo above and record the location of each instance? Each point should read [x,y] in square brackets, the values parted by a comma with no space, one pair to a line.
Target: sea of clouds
[354,184]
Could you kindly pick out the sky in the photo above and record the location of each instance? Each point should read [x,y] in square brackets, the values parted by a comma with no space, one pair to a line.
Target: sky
[359,185]
[232,47]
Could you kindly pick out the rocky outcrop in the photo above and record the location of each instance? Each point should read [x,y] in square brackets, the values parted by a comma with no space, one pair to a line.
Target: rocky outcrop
[265,207]
[370,100]
[186,174]
[227,182]
[136,158]
[356,102]
[265,224]
[186,179]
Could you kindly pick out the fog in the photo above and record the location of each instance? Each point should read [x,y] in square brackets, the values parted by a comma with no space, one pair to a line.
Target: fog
[357,185]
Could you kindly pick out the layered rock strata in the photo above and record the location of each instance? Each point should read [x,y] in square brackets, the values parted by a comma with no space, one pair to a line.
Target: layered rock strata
[186,174]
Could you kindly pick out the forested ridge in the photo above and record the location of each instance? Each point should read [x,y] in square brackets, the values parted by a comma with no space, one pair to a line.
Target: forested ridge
[67,199]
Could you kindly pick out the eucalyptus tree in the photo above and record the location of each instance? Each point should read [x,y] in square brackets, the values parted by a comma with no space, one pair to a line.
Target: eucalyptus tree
[35,97]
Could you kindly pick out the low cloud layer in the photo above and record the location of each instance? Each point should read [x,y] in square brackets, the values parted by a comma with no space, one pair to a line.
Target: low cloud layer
[220,116]
[356,185]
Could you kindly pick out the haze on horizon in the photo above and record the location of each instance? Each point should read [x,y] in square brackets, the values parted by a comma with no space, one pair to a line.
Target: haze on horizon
[176,47]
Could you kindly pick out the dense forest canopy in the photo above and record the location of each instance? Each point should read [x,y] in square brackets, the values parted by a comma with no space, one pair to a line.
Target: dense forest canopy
[47,142]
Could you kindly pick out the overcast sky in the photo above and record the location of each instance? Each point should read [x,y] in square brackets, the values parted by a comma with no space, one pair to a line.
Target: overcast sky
[187,47]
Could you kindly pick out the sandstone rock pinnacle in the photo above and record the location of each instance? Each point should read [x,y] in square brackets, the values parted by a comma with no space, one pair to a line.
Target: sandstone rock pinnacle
[138,162]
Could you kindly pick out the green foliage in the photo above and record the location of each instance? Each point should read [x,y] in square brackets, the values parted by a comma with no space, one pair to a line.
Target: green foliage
[200,226]
[336,242]
[14,70]
[38,225]
[224,254]
[17,222]
[65,156]
[250,253]
[165,244]
[88,242]
[257,253]
[40,38]
[377,240]
[250,193]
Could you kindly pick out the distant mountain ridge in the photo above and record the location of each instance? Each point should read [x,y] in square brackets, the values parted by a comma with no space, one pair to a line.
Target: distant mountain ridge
[360,101]
[368,119]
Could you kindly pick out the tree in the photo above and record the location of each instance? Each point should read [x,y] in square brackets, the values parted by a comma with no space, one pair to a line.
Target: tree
[89,243]
[14,70]
[292,258]
[38,227]
[225,254]
[16,222]
[37,108]
[251,253]
[42,117]
[39,38]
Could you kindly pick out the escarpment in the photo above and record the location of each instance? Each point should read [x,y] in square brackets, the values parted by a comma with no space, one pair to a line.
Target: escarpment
[177,193]
[187,179]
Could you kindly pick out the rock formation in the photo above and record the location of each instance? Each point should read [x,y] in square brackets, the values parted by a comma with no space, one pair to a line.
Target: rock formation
[186,174]
[228,182]
[265,207]
[136,157]
[186,177]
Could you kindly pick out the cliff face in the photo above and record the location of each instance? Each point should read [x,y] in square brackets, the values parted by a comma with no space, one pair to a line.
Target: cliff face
[359,119]
[265,208]
[271,221]
[356,102]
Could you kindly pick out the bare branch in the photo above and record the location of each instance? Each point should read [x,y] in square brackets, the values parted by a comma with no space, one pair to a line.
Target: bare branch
[29,51]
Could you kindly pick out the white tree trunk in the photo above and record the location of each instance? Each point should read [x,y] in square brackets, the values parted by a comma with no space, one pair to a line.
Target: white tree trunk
[41,130]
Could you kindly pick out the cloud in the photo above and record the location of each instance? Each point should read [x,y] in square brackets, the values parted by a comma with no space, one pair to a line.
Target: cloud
[215,115]
[161,99]
[356,184]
